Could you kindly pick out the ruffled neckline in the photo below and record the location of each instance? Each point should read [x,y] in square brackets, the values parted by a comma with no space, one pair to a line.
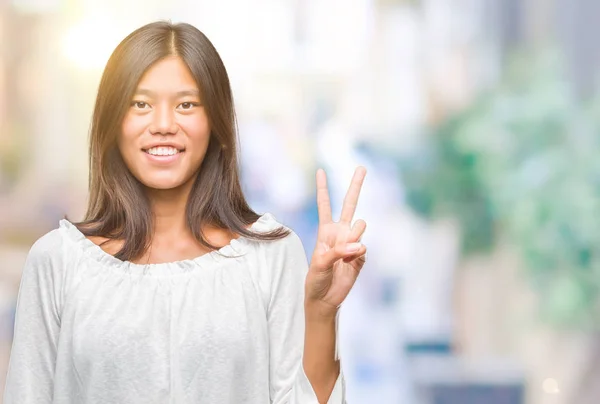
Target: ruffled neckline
[236,248]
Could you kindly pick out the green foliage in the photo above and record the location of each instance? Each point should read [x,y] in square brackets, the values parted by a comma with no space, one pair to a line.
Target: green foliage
[523,163]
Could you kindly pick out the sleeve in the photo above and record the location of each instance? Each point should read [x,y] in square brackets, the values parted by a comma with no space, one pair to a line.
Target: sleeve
[30,376]
[288,381]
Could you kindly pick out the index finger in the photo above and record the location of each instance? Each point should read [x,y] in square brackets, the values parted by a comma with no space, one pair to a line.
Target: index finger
[351,199]
[323,201]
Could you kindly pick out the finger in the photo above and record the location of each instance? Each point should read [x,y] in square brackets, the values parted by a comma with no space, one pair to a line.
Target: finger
[357,231]
[360,257]
[351,199]
[340,251]
[323,201]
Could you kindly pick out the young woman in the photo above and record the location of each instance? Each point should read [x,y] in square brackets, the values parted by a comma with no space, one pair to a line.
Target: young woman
[173,290]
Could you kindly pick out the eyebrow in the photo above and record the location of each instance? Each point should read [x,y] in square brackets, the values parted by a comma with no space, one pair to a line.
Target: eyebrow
[152,94]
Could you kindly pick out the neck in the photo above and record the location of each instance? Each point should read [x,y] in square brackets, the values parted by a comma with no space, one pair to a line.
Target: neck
[168,210]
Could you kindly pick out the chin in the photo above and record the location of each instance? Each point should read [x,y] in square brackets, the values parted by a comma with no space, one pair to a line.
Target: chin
[162,184]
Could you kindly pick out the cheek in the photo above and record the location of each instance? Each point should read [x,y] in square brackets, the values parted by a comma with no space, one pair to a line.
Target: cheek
[131,129]
[196,128]
[133,126]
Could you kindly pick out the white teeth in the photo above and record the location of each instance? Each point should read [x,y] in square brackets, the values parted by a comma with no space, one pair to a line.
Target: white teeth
[162,151]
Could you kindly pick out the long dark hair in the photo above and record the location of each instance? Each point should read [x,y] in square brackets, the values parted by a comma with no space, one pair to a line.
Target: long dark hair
[118,207]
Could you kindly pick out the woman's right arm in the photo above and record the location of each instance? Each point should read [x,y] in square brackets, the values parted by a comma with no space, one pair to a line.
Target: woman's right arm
[30,377]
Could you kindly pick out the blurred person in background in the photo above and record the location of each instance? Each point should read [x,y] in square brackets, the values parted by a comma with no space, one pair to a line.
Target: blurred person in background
[172,289]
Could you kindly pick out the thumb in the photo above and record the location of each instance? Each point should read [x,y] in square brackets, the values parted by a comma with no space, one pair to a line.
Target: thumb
[325,260]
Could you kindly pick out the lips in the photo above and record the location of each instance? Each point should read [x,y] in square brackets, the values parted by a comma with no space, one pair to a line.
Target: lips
[163,155]
[158,145]
[163,151]
[163,160]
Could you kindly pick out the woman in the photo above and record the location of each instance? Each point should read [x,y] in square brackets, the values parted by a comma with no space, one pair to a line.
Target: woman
[173,290]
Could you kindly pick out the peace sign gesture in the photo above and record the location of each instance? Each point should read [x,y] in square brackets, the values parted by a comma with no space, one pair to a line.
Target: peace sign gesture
[338,256]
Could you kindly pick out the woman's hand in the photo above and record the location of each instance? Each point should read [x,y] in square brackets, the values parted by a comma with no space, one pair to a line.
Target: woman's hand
[338,256]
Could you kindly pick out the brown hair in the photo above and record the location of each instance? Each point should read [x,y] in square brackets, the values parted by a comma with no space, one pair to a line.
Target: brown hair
[118,207]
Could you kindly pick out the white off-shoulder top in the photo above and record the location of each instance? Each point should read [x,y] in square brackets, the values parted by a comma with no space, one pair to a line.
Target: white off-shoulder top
[226,327]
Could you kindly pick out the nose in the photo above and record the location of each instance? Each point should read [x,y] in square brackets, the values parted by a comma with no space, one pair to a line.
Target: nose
[163,121]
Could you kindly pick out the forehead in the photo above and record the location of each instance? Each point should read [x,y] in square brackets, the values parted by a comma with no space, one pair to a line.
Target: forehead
[168,75]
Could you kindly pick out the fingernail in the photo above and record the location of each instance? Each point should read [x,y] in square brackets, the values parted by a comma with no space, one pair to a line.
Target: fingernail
[353,247]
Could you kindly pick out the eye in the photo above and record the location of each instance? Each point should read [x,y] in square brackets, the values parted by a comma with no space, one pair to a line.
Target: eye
[187,105]
[140,104]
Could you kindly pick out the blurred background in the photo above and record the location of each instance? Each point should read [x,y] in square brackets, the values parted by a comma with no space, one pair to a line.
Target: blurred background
[477,120]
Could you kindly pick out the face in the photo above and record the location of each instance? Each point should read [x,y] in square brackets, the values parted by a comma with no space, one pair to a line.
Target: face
[165,133]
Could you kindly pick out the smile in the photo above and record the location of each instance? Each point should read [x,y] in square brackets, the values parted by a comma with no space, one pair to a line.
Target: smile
[163,151]
[163,155]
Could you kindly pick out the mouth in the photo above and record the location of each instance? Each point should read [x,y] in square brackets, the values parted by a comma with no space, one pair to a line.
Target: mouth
[162,151]
[163,154]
